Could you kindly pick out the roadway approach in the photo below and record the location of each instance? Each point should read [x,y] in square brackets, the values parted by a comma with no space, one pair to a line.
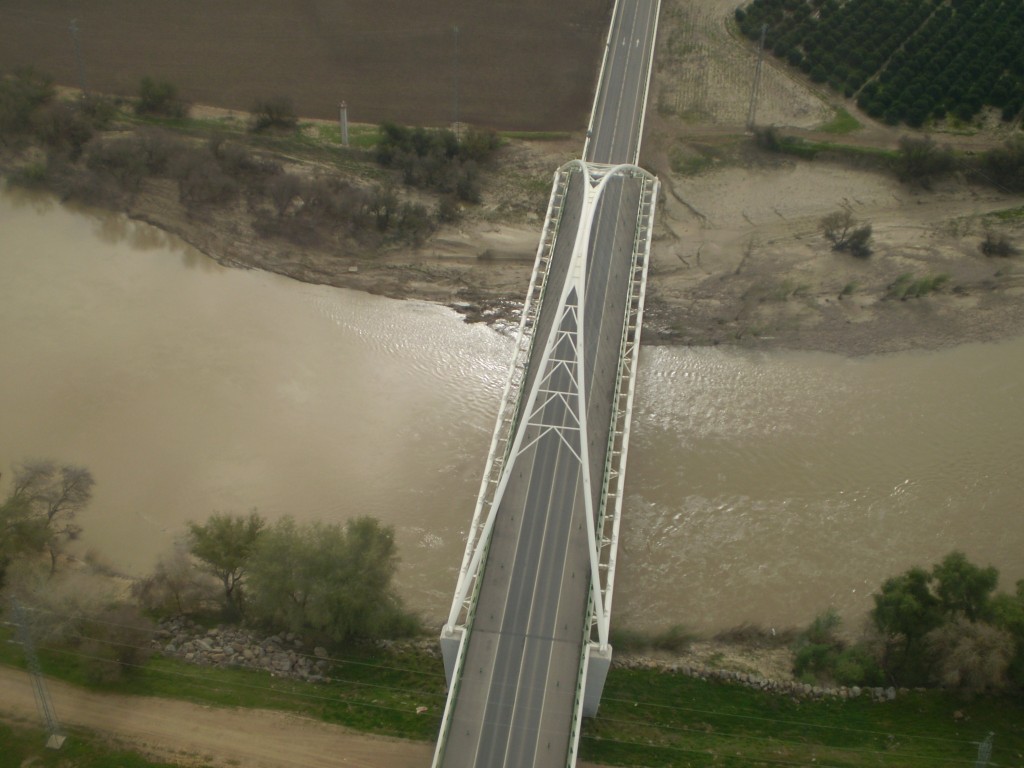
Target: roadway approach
[526,642]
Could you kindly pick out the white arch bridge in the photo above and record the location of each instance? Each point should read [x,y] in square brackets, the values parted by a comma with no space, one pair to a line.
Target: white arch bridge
[526,641]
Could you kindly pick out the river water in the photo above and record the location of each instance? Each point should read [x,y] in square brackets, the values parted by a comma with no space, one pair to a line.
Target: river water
[761,487]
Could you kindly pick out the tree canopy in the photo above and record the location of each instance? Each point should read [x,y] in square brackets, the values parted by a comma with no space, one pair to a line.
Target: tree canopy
[224,543]
[328,578]
[39,513]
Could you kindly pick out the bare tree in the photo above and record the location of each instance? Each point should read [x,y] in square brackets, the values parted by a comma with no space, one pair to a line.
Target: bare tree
[972,657]
[53,496]
[176,586]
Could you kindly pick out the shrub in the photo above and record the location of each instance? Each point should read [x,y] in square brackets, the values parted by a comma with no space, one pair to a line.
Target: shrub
[448,210]
[176,586]
[32,174]
[200,179]
[116,643]
[238,162]
[437,159]
[971,657]
[158,147]
[1005,165]
[920,161]
[1000,246]
[906,287]
[282,189]
[159,97]
[59,126]
[767,138]
[414,224]
[840,228]
[821,656]
[277,112]
[123,160]
[20,96]
[98,110]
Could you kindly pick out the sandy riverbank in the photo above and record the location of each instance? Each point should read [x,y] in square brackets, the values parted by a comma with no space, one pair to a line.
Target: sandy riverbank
[738,256]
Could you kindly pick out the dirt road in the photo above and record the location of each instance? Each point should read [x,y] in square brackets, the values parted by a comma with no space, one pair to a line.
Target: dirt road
[188,734]
[194,734]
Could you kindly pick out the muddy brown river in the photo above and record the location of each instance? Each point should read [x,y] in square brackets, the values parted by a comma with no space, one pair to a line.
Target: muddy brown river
[762,487]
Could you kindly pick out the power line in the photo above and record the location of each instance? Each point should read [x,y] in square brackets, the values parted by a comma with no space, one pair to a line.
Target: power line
[419,692]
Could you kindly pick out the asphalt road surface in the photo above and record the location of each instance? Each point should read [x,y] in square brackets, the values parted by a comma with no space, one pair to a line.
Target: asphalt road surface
[514,703]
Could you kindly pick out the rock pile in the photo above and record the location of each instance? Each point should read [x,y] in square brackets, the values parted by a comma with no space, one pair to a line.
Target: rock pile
[793,688]
[287,655]
[284,654]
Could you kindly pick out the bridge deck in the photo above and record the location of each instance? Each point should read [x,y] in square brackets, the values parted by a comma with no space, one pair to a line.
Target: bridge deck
[516,695]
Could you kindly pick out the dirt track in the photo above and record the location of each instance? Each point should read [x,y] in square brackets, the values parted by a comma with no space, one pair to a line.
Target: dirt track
[185,733]
[528,65]
[191,734]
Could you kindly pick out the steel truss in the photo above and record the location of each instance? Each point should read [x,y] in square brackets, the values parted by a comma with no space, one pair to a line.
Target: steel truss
[566,335]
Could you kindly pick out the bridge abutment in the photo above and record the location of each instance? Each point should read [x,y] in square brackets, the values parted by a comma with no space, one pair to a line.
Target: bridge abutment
[598,663]
[450,642]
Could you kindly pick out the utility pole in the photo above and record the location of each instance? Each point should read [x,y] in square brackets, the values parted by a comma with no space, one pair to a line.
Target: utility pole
[752,112]
[55,739]
[455,86]
[343,107]
[78,56]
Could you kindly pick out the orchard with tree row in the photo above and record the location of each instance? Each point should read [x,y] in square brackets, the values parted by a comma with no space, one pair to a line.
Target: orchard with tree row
[905,61]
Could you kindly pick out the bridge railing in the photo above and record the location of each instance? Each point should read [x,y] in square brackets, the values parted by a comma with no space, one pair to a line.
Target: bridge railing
[622,412]
[508,411]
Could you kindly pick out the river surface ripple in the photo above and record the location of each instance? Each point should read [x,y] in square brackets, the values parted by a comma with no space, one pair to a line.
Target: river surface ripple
[762,487]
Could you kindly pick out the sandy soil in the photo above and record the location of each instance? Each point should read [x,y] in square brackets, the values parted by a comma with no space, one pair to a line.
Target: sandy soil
[739,256]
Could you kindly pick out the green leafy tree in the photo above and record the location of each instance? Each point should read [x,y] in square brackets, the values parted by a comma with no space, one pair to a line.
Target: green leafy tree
[905,611]
[328,579]
[963,588]
[225,543]
[20,531]
[1008,614]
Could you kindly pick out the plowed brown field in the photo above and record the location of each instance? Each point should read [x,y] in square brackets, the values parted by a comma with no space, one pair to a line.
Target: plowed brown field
[526,65]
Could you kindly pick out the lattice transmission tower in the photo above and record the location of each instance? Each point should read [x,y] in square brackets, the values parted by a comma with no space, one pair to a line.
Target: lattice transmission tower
[55,737]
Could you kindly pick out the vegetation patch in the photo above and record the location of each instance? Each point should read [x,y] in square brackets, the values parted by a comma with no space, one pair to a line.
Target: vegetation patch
[25,747]
[656,719]
[842,122]
[906,286]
